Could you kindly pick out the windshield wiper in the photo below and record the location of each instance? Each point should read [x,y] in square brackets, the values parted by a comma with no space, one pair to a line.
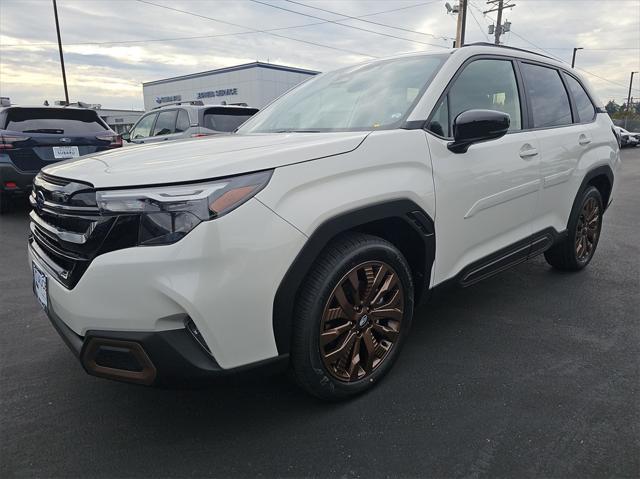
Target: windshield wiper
[45,130]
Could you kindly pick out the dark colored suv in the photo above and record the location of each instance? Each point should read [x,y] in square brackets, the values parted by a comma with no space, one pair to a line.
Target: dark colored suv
[31,138]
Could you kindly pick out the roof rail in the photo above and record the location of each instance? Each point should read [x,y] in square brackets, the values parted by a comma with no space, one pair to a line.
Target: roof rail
[487,44]
[188,102]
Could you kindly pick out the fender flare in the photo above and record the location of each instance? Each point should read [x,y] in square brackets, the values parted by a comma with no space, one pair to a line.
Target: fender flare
[604,170]
[286,295]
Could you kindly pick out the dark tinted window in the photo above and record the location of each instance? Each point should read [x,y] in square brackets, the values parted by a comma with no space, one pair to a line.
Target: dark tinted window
[143,128]
[59,121]
[166,123]
[439,123]
[226,119]
[585,108]
[183,122]
[549,100]
[484,85]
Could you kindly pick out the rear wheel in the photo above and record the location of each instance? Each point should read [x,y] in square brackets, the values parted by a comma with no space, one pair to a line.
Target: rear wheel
[583,232]
[352,316]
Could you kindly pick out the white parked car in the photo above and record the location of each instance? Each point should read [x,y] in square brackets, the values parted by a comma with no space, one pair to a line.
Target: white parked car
[627,138]
[308,238]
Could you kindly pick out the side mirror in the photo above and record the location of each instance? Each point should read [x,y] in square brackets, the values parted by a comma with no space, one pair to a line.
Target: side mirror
[474,126]
[126,136]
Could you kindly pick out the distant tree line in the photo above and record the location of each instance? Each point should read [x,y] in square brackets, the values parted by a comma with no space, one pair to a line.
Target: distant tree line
[617,111]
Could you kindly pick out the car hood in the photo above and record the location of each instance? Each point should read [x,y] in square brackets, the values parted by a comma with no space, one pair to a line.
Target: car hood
[202,158]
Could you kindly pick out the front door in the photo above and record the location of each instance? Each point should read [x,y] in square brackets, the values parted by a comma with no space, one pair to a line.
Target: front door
[486,197]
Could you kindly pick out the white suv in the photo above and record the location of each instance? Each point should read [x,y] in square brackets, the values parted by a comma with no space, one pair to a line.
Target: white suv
[308,238]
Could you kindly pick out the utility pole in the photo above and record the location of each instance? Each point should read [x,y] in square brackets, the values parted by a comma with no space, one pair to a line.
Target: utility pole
[626,118]
[573,58]
[64,75]
[500,28]
[462,23]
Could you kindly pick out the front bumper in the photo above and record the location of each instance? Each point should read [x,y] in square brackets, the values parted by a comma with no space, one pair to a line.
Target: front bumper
[222,276]
[163,358]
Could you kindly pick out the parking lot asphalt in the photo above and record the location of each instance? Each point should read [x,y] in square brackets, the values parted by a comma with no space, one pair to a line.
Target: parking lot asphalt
[532,373]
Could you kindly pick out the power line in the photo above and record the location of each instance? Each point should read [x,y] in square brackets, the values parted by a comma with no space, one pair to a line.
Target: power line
[560,59]
[479,26]
[353,27]
[372,22]
[256,31]
[200,37]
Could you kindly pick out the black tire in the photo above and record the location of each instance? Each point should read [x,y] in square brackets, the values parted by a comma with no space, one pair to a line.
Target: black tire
[565,255]
[4,203]
[364,254]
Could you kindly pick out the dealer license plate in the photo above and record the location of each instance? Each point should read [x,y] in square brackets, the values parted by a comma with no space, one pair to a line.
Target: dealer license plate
[64,152]
[40,286]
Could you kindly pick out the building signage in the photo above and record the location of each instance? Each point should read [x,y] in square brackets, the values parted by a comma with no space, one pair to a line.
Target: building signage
[166,99]
[218,93]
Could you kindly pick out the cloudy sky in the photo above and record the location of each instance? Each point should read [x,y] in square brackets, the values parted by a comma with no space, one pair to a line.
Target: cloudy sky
[112,46]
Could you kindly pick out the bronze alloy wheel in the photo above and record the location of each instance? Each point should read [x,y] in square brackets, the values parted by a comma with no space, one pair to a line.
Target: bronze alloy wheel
[587,230]
[361,321]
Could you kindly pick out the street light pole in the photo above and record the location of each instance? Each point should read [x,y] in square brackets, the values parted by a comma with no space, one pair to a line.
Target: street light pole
[64,75]
[626,118]
[573,59]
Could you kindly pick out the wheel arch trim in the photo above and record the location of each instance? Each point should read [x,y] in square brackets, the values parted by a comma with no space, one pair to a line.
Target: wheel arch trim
[404,209]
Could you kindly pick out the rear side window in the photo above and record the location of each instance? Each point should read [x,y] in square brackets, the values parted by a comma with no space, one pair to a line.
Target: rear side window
[60,121]
[143,128]
[226,119]
[586,110]
[549,100]
[483,84]
[166,123]
[183,123]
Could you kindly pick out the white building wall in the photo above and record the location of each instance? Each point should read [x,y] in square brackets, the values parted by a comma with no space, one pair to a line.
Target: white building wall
[256,86]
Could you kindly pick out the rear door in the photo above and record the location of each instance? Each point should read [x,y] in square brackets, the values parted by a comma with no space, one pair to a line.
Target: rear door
[563,119]
[164,128]
[40,136]
[486,197]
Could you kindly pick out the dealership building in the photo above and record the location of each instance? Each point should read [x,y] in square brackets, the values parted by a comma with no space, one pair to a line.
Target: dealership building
[255,84]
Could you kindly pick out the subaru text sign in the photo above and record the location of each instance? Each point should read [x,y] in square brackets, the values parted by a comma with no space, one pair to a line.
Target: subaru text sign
[166,99]
[218,93]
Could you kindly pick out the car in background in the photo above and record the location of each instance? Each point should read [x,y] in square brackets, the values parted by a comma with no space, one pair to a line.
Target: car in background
[627,138]
[34,137]
[188,120]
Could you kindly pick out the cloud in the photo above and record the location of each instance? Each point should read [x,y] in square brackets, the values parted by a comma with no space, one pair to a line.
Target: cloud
[112,74]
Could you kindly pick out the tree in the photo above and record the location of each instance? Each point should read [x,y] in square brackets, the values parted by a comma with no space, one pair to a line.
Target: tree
[612,107]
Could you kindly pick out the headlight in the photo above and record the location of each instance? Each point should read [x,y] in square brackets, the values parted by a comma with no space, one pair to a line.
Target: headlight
[168,213]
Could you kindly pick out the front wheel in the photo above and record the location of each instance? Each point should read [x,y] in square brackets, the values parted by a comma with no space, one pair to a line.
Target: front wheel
[583,232]
[352,316]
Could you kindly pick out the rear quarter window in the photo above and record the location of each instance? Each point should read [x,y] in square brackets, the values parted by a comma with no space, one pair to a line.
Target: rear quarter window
[226,119]
[54,121]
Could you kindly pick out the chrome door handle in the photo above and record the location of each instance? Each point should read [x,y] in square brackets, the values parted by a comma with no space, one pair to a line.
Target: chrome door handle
[584,140]
[528,153]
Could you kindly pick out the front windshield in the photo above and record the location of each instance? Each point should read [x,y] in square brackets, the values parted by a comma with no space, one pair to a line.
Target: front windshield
[372,96]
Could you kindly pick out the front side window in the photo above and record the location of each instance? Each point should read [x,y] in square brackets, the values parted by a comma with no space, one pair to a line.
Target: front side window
[143,128]
[549,101]
[483,85]
[586,111]
[166,123]
[377,95]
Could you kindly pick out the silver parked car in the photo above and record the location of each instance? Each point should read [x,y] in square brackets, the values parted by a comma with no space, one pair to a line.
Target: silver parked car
[187,120]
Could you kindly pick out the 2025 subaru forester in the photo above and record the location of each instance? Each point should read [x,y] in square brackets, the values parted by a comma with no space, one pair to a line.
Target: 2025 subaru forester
[308,237]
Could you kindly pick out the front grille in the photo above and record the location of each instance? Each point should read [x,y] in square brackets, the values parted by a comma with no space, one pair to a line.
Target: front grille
[67,230]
